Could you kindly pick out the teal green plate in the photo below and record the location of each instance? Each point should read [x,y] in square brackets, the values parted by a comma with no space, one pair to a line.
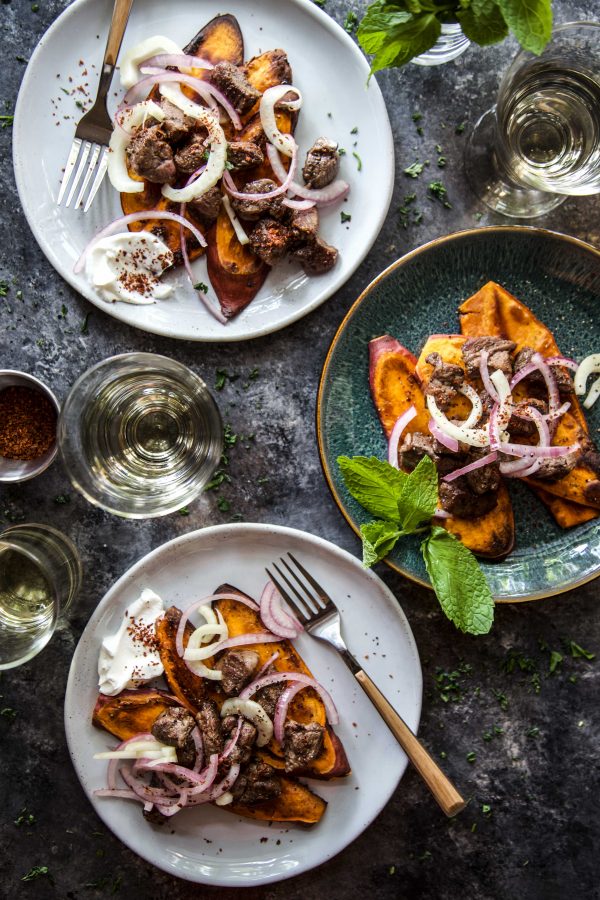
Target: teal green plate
[558,277]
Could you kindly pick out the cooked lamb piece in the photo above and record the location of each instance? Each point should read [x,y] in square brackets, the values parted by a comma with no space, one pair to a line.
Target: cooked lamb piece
[521,423]
[563,379]
[191,156]
[322,163]
[553,469]
[238,667]
[304,224]
[209,722]
[255,209]
[256,783]
[268,697]
[176,125]
[207,207]
[244,154]
[302,744]
[460,501]
[590,458]
[232,82]
[445,380]
[499,355]
[483,479]
[270,240]
[174,727]
[317,257]
[243,749]
[414,447]
[151,157]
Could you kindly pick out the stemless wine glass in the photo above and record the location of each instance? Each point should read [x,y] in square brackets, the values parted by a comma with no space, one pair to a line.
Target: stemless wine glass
[140,435]
[40,576]
[541,142]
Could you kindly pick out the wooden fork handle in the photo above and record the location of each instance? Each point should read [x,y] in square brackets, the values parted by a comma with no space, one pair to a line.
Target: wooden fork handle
[118,25]
[440,786]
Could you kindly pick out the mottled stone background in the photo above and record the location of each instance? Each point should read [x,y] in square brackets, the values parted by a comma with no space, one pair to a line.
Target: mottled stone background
[531,829]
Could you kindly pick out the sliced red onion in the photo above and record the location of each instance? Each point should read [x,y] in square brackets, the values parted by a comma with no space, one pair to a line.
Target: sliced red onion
[485,376]
[281,708]
[240,641]
[136,217]
[276,677]
[477,464]
[179,60]
[399,426]
[276,192]
[514,467]
[208,776]
[448,442]
[268,663]
[212,309]
[216,790]
[548,375]
[298,204]
[532,469]
[148,794]
[207,91]
[523,373]
[204,602]
[229,747]
[441,514]
[541,425]
[335,191]
[113,765]
[198,779]
[199,747]
[140,90]
[565,361]
[525,450]
[558,413]
[275,617]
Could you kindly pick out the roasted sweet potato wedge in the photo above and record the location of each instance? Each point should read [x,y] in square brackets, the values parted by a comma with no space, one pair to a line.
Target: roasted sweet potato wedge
[307,706]
[131,712]
[236,274]
[566,514]
[396,378]
[296,803]
[187,687]
[494,311]
[220,39]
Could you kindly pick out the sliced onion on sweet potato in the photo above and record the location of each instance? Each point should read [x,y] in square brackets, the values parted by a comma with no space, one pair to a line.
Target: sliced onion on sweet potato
[131,712]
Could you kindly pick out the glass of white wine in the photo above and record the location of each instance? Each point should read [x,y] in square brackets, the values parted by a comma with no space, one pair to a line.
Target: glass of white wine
[541,142]
[40,576]
[140,435]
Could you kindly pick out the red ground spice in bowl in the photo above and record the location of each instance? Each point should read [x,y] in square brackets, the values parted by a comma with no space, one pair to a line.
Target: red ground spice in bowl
[27,423]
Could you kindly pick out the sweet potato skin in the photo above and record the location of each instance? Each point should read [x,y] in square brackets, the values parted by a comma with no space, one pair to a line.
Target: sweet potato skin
[187,687]
[495,311]
[394,387]
[131,712]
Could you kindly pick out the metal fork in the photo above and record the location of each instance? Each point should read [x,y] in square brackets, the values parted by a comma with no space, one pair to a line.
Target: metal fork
[321,619]
[89,150]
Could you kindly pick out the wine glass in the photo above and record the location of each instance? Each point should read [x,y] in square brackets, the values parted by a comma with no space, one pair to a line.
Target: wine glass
[541,142]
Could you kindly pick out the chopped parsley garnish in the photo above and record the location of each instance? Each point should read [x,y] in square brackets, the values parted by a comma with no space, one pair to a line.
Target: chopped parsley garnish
[441,162]
[85,324]
[351,21]
[354,130]
[222,376]
[254,374]
[555,660]
[25,818]
[217,480]
[578,652]
[358,161]
[439,192]
[35,872]
[486,809]
[471,757]
[8,713]
[7,121]
[501,698]
[223,504]
[460,128]
[79,104]
[533,732]
[4,288]
[345,217]
[200,286]
[341,151]
[229,438]
[320,3]
[414,170]
[184,511]
[35,7]
[417,116]
[62,499]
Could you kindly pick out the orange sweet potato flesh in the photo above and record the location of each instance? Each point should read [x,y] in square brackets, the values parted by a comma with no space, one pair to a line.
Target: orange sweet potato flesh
[296,803]
[189,688]
[394,379]
[494,311]
[306,706]
[131,712]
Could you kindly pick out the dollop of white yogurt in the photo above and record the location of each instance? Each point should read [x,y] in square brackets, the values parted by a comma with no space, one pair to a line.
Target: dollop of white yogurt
[130,657]
[127,266]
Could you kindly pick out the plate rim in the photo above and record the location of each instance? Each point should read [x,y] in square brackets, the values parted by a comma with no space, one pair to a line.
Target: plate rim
[19,171]
[259,528]
[398,263]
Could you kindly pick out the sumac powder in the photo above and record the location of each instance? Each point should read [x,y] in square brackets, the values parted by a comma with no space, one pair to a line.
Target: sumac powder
[27,423]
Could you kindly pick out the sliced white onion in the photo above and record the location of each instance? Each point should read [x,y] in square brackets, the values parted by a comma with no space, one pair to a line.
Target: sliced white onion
[593,394]
[235,222]
[161,78]
[541,425]
[199,604]
[448,442]
[477,464]
[589,366]
[182,61]
[120,140]
[298,204]
[147,749]
[225,799]
[271,97]
[473,437]
[204,633]
[198,637]
[252,711]
[241,640]
[400,424]
[276,677]
[217,158]
[501,384]
[477,406]
[136,217]
[131,59]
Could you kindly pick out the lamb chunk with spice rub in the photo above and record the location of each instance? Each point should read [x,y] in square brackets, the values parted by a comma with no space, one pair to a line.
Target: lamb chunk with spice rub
[209,723]
[499,353]
[322,163]
[316,257]
[304,224]
[302,744]
[242,751]
[270,240]
[174,727]
[191,155]
[244,155]
[253,210]
[269,695]
[232,82]
[459,500]
[207,207]
[445,381]
[151,157]
[535,378]
[238,667]
[258,782]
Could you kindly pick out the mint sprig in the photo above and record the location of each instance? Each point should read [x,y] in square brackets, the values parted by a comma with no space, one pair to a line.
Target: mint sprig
[394,33]
[404,503]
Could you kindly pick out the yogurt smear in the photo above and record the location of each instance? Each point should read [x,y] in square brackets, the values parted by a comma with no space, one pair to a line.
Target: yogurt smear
[127,266]
[130,657]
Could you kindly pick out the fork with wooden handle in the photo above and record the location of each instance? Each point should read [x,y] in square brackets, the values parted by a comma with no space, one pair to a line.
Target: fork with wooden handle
[321,619]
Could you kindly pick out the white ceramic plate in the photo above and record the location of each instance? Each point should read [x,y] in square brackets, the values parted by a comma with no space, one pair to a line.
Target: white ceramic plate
[211,845]
[328,68]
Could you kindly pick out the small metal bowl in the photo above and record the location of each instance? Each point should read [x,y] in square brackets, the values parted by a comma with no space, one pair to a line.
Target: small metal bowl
[13,470]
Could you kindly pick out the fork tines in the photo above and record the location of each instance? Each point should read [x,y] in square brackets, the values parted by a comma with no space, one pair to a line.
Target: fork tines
[85,158]
[310,603]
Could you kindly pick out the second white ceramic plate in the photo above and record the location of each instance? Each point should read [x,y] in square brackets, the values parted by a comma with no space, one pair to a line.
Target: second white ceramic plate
[210,845]
[329,69]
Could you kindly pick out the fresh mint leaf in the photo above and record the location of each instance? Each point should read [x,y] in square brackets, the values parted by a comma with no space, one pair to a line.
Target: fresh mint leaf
[379,539]
[418,500]
[375,484]
[578,652]
[394,36]
[482,22]
[458,581]
[530,21]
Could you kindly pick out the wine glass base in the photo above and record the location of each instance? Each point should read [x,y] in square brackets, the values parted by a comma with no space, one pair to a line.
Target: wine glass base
[494,189]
